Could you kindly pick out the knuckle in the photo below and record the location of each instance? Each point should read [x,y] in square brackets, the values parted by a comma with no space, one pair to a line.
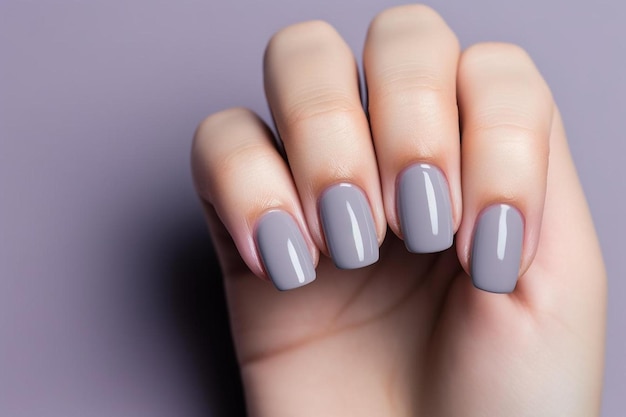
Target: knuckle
[503,112]
[511,129]
[410,85]
[506,122]
[321,106]
[512,141]
[214,144]
[250,157]
[407,76]
[505,132]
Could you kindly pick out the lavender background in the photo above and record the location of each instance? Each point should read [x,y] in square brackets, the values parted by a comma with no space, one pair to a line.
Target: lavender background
[109,303]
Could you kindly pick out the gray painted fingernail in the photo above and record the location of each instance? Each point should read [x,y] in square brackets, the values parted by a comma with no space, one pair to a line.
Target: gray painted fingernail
[497,249]
[283,251]
[423,200]
[348,226]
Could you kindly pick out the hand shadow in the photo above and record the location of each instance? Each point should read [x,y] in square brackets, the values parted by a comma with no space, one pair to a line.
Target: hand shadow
[194,287]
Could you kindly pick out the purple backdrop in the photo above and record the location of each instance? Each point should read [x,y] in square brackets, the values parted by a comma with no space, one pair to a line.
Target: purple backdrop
[108,304]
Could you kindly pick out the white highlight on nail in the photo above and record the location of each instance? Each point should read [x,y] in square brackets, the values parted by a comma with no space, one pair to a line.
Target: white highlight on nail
[356,233]
[295,261]
[502,232]
[432,204]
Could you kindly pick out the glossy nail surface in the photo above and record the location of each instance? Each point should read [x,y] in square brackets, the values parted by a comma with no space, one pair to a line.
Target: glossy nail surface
[423,201]
[348,226]
[497,249]
[283,251]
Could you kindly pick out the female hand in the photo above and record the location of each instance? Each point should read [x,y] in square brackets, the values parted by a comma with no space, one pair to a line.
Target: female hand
[454,142]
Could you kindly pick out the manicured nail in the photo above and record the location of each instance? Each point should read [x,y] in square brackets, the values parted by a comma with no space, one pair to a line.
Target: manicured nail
[423,200]
[497,249]
[348,226]
[283,251]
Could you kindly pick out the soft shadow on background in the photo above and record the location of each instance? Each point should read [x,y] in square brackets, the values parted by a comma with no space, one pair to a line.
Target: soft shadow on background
[192,279]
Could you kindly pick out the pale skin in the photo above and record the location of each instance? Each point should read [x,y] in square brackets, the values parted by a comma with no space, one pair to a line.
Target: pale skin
[409,335]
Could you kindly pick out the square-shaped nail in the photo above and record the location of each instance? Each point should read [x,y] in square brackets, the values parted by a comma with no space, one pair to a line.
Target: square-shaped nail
[497,249]
[423,201]
[348,226]
[283,251]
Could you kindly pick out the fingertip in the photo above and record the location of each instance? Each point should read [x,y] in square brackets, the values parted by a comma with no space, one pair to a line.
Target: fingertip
[424,209]
[497,249]
[348,225]
[283,251]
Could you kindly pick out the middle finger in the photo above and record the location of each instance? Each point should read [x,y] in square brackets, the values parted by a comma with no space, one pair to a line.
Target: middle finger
[410,61]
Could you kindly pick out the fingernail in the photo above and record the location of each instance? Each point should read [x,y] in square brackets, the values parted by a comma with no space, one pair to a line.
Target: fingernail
[348,226]
[497,249]
[424,207]
[283,251]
